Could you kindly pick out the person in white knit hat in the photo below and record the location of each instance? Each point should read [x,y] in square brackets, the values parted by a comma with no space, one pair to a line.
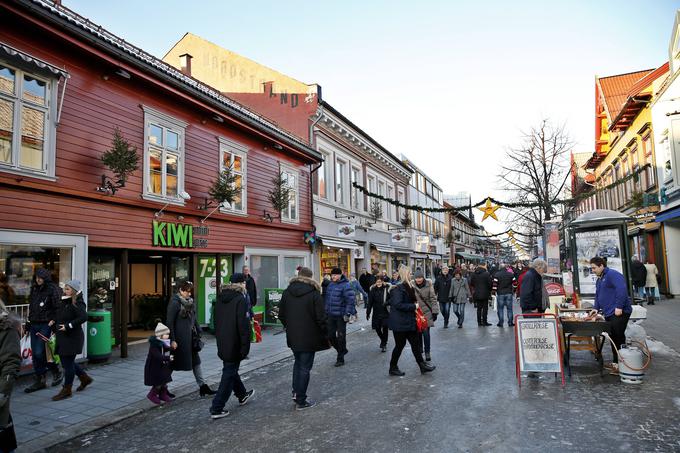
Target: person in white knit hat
[157,370]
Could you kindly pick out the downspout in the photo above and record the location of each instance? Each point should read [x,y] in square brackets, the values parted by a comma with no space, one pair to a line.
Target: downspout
[313,169]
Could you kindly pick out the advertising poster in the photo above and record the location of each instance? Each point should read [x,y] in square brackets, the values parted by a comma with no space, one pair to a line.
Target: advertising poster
[552,247]
[206,284]
[272,297]
[603,243]
[540,251]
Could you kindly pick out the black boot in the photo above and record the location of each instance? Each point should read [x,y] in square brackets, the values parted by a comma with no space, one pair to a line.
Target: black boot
[426,367]
[57,377]
[396,372]
[39,384]
[205,390]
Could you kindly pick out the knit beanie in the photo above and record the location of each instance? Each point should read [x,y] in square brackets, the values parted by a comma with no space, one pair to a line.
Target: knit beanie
[238,278]
[161,329]
[419,274]
[336,271]
[75,284]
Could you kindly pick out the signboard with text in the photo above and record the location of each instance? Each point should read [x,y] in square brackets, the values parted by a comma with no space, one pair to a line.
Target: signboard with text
[538,345]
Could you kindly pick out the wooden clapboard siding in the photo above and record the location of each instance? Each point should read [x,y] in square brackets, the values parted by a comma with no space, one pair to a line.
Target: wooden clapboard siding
[92,108]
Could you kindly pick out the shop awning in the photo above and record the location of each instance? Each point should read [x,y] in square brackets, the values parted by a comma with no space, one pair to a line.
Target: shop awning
[401,251]
[22,58]
[668,215]
[383,248]
[418,256]
[338,243]
[469,256]
[434,257]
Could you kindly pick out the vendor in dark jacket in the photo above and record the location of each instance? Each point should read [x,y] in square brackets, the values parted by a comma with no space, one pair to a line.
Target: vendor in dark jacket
[340,305]
[378,300]
[531,292]
[402,323]
[68,322]
[611,297]
[303,314]
[480,284]
[43,302]
[442,286]
[232,332]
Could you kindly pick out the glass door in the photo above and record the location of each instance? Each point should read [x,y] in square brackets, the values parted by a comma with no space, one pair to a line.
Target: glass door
[103,287]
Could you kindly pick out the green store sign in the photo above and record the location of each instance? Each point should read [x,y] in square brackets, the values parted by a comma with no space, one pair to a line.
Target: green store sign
[179,235]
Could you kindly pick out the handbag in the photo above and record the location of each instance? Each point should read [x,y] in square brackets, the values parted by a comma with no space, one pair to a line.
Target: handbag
[26,351]
[196,342]
[421,321]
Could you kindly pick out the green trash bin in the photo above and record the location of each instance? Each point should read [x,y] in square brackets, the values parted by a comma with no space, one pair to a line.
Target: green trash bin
[98,335]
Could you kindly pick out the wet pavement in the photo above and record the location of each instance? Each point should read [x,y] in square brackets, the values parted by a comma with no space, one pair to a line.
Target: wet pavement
[471,402]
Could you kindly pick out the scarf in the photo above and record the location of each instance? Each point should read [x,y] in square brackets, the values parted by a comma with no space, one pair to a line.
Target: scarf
[186,306]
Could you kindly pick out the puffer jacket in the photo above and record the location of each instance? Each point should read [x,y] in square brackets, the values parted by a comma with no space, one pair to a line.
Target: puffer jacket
[427,300]
[339,298]
[460,291]
[402,309]
[232,325]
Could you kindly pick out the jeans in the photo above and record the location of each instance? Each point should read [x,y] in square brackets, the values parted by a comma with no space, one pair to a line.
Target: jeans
[445,308]
[504,301]
[482,311]
[38,348]
[71,369]
[459,310]
[400,339]
[198,374]
[337,334]
[618,335]
[301,369]
[426,340]
[230,382]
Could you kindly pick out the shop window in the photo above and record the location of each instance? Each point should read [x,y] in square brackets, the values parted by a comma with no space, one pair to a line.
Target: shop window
[265,271]
[163,157]
[234,156]
[290,267]
[333,257]
[27,126]
[291,178]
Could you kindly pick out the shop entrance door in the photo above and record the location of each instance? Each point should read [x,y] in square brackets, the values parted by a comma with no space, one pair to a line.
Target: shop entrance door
[103,286]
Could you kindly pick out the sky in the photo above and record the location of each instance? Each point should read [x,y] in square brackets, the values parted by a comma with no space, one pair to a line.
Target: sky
[449,84]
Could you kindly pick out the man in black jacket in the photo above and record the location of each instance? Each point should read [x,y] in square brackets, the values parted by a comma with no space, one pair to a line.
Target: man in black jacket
[531,293]
[303,314]
[232,332]
[480,282]
[44,299]
[503,285]
[442,287]
[638,274]
[366,280]
[251,287]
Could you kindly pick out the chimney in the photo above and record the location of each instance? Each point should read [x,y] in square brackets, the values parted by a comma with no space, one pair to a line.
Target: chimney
[185,63]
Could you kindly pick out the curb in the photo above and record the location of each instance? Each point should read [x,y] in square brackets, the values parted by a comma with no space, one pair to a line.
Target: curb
[139,407]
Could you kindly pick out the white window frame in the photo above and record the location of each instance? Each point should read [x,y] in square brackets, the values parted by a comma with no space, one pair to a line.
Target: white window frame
[323,169]
[389,213]
[356,198]
[167,122]
[339,182]
[49,133]
[286,168]
[235,149]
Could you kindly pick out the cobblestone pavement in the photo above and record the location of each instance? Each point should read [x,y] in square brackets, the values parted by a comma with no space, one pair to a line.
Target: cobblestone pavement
[470,403]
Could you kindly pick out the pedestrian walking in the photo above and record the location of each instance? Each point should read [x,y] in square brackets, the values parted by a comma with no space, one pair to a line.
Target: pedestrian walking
[459,295]
[340,305]
[638,274]
[43,302]
[6,291]
[402,323]
[427,300]
[611,298]
[251,287]
[185,336]
[480,283]
[652,283]
[366,280]
[442,286]
[68,322]
[395,280]
[232,332]
[532,297]
[360,296]
[303,314]
[10,363]
[378,301]
[503,286]
[158,369]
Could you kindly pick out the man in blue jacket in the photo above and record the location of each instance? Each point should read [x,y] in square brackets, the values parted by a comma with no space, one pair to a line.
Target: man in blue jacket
[611,297]
[340,305]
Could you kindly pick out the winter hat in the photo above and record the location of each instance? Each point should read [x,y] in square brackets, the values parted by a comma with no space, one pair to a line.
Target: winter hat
[336,271]
[419,274]
[305,272]
[238,278]
[75,284]
[161,329]
[43,273]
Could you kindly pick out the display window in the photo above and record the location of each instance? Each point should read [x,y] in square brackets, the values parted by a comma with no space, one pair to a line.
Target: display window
[332,257]
[379,260]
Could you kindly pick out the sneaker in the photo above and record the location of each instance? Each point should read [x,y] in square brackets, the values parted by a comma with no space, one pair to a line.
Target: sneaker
[306,405]
[243,401]
[217,415]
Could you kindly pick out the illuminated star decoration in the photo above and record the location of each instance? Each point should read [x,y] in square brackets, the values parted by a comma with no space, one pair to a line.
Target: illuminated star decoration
[489,210]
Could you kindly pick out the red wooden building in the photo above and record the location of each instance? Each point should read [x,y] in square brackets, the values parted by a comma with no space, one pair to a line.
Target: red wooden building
[65,85]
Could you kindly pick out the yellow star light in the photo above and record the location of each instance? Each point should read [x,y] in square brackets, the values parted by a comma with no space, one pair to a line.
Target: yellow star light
[489,210]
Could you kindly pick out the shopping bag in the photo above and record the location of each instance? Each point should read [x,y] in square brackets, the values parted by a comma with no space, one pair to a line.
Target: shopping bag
[26,351]
[494,302]
[51,347]
[421,320]
[255,332]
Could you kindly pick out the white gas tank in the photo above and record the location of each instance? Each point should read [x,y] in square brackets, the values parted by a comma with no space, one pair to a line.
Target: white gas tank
[631,363]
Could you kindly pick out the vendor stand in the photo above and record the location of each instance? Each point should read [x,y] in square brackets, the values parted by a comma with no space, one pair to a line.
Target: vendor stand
[583,332]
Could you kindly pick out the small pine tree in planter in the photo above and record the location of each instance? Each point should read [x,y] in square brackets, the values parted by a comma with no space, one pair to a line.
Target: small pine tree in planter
[406,221]
[375,210]
[224,189]
[122,160]
[449,238]
[279,196]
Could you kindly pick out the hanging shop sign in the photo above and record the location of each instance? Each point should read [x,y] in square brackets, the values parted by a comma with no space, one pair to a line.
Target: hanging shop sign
[422,243]
[346,231]
[358,253]
[179,235]
[398,238]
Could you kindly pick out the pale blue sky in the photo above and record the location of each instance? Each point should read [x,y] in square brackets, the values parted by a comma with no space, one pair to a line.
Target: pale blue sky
[447,83]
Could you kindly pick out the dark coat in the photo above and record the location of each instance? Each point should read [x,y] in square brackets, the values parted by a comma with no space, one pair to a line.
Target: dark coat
[232,325]
[71,341]
[378,300]
[480,283]
[339,298]
[442,286]
[366,281]
[251,288]
[157,369]
[531,293]
[10,362]
[43,302]
[302,313]
[181,328]
[503,282]
[402,309]
[638,273]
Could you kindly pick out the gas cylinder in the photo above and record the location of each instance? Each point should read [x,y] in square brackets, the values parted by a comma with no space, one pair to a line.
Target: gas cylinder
[631,362]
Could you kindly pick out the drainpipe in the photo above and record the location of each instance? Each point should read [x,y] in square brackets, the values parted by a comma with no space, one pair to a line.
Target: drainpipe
[312,168]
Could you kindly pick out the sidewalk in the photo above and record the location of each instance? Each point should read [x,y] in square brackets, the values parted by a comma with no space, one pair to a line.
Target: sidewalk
[118,392]
[663,322]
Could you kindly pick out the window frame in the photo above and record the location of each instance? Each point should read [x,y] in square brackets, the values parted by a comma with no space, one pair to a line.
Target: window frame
[356,200]
[339,180]
[235,149]
[167,122]
[287,168]
[48,170]
[323,169]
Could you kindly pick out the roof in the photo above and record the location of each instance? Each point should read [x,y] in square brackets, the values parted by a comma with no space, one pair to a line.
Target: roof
[615,89]
[130,54]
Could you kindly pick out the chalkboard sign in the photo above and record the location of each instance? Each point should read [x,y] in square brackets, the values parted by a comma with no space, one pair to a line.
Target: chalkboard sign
[537,344]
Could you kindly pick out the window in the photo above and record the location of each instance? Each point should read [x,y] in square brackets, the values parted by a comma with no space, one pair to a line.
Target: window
[291,177]
[163,157]
[648,159]
[390,208]
[27,127]
[319,180]
[635,163]
[340,191]
[628,185]
[355,177]
[234,155]
[402,199]
[381,191]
